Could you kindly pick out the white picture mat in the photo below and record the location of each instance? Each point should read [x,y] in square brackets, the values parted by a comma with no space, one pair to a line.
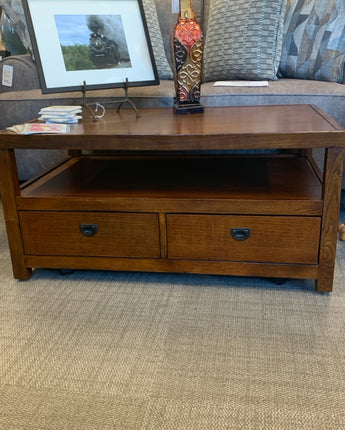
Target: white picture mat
[42,15]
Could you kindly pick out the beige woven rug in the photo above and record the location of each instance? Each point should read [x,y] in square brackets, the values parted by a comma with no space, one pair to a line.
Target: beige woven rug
[106,350]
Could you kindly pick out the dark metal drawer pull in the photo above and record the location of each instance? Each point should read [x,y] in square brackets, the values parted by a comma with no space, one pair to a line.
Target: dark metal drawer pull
[88,229]
[240,233]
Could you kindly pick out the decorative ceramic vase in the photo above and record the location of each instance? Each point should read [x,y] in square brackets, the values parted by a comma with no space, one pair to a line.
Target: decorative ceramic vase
[188,44]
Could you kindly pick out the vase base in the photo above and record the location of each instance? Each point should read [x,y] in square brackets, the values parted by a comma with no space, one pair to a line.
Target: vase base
[188,108]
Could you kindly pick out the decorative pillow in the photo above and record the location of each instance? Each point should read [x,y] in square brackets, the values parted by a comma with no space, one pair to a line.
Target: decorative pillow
[314,42]
[163,68]
[244,39]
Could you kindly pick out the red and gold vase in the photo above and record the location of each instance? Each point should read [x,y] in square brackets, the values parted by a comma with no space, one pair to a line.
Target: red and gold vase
[188,44]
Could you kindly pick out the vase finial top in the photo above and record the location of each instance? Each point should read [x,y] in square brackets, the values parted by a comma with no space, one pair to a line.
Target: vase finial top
[186,11]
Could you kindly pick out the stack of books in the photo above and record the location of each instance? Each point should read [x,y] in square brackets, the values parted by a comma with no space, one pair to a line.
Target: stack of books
[60,114]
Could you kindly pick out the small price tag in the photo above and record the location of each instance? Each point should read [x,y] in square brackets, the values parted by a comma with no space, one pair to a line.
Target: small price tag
[7,75]
[175,6]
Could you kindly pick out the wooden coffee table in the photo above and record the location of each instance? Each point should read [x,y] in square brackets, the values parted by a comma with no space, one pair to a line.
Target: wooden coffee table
[171,198]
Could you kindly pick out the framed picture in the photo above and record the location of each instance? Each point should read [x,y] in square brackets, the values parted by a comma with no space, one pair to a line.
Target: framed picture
[99,42]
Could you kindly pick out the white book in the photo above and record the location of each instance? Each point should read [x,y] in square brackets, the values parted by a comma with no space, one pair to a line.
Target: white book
[62,117]
[60,110]
[63,121]
[59,114]
[241,84]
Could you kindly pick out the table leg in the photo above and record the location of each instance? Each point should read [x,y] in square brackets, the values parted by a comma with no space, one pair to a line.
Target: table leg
[10,189]
[333,173]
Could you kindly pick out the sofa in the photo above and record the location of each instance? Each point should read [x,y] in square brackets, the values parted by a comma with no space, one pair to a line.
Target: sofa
[304,41]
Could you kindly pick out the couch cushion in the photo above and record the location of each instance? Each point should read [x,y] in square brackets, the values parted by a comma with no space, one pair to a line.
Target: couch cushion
[314,40]
[244,39]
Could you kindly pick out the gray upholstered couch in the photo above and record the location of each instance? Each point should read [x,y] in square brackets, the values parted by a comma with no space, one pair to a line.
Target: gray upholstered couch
[23,100]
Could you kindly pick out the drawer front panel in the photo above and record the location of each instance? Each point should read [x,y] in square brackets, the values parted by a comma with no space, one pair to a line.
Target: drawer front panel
[91,234]
[275,239]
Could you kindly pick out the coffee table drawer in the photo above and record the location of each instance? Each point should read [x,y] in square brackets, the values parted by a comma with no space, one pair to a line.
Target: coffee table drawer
[90,234]
[275,239]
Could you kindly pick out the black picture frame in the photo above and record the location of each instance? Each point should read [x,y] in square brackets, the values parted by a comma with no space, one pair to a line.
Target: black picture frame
[102,43]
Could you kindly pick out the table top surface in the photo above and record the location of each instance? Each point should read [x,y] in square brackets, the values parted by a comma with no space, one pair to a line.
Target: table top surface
[240,127]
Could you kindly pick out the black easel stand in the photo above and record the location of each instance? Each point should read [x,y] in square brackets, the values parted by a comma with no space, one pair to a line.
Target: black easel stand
[126,99]
[84,104]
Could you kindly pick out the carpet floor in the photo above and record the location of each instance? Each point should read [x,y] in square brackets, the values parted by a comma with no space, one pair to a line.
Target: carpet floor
[101,350]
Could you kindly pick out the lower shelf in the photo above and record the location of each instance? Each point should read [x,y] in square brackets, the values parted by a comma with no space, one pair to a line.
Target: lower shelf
[275,185]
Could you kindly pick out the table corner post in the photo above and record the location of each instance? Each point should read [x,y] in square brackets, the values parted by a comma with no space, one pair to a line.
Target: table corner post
[333,172]
[10,189]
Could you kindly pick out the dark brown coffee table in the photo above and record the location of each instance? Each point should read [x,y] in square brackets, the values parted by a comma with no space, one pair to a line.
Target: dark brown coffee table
[162,193]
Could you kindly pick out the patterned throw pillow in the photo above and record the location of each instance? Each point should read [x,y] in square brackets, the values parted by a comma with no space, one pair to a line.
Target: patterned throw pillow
[244,39]
[163,68]
[314,42]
